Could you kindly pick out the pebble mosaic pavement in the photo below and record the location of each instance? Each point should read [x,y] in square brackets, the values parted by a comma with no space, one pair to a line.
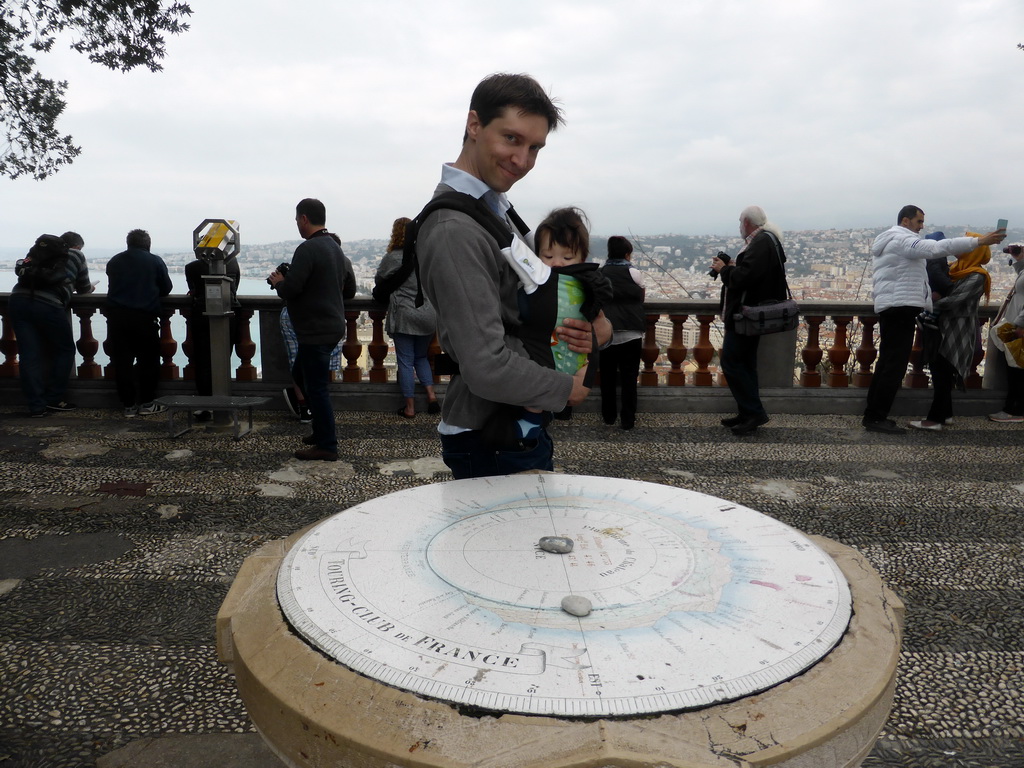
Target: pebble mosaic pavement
[118,544]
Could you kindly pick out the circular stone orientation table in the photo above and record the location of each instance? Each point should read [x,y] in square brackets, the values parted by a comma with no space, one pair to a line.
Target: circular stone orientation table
[425,628]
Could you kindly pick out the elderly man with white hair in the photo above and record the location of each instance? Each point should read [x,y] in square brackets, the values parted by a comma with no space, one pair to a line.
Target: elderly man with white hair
[757,275]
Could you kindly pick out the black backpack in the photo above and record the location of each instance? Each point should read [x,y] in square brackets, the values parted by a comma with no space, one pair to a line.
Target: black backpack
[45,266]
[457,201]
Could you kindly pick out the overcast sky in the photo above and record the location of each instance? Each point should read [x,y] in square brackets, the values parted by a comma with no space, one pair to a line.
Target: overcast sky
[679,114]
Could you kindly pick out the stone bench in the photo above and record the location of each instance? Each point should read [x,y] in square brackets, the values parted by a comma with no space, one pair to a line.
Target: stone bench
[190,403]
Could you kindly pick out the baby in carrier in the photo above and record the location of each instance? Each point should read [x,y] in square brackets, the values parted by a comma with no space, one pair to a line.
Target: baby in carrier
[575,289]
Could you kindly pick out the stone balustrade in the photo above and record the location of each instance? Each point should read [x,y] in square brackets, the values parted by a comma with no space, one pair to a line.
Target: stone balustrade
[834,348]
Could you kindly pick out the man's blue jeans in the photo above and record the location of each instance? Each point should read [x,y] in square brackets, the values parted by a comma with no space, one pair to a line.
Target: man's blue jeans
[468,455]
[314,362]
[44,336]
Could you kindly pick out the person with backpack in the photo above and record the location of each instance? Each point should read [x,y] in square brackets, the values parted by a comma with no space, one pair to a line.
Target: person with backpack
[53,269]
[411,327]
[474,279]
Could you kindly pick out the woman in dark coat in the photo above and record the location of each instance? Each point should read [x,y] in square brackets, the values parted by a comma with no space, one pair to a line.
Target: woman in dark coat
[957,313]
[620,360]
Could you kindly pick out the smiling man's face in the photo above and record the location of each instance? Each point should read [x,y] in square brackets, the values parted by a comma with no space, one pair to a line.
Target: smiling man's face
[505,150]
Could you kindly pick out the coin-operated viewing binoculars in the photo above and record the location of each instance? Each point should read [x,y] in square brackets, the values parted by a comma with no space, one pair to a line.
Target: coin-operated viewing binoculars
[216,242]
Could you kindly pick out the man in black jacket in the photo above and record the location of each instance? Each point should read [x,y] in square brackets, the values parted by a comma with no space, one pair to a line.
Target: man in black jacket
[757,275]
[137,280]
[315,290]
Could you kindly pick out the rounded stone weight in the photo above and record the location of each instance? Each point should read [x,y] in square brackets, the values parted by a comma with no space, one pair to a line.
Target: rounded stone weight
[559,545]
[314,711]
[576,605]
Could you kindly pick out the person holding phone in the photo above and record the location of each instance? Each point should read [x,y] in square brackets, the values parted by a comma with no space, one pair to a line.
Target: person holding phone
[901,292]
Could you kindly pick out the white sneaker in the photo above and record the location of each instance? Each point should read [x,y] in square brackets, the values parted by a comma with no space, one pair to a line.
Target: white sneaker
[935,427]
[1005,418]
[148,409]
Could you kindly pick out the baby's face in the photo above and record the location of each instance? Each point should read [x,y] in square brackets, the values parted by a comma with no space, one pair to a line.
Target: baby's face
[555,255]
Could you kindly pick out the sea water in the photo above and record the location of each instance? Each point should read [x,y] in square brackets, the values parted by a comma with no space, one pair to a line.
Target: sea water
[248,286]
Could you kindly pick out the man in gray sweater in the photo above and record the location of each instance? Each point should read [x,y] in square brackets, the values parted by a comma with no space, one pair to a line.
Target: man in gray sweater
[314,290]
[474,287]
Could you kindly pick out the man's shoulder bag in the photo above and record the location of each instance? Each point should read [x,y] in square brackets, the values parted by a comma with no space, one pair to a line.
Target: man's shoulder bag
[768,316]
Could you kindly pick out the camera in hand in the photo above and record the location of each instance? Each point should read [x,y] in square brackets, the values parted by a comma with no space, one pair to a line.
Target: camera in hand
[724,257]
[283,269]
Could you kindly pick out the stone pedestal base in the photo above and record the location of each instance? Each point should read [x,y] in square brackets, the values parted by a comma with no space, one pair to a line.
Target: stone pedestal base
[314,712]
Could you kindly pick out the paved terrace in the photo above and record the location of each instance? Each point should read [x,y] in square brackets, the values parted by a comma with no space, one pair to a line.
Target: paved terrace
[118,544]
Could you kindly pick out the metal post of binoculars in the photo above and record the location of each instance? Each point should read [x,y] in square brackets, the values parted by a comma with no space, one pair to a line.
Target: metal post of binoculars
[217,241]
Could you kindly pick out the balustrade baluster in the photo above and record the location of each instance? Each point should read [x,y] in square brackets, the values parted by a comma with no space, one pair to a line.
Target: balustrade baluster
[676,352]
[704,353]
[649,353]
[432,352]
[973,379]
[87,345]
[378,348]
[168,347]
[811,353]
[866,352]
[352,349]
[245,347]
[9,348]
[917,378]
[188,373]
[839,354]
[109,370]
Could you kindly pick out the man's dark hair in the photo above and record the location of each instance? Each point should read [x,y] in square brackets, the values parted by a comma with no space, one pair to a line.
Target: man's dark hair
[521,92]
[908,212]
[566,227]
[619,247]
[73,239]
[139,238]
[313,210]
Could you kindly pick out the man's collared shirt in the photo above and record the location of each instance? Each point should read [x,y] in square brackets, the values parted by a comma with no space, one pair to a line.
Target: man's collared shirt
[469,184]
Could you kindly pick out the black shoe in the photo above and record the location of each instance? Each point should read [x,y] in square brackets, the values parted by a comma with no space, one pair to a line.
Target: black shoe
[305,415]
[885,426]
[202,416]
[315,454]
[63,405]
[749,426]
[732,421]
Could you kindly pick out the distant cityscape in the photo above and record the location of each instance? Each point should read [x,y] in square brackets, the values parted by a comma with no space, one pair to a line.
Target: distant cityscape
[825,265]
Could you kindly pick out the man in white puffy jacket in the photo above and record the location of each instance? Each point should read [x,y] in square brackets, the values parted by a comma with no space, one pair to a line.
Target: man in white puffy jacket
[900,292]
